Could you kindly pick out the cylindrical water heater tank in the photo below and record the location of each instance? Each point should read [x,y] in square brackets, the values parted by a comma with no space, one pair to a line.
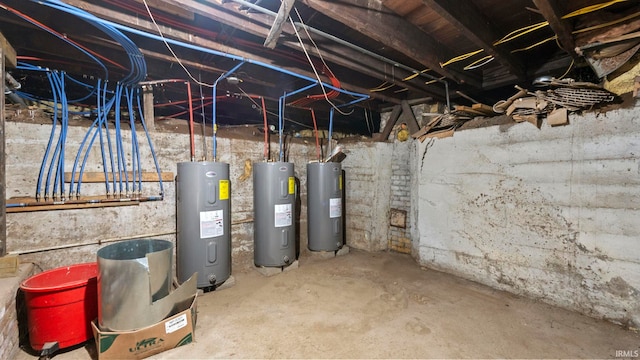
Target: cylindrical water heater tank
[203,222]
[274,208]
[324,206]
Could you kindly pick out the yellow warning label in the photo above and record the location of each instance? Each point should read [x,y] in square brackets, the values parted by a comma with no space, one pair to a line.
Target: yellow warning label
[292,185]
[340,182]
[224,189]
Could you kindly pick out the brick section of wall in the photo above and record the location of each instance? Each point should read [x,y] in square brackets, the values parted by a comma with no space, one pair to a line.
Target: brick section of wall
[399,237]
[12,326]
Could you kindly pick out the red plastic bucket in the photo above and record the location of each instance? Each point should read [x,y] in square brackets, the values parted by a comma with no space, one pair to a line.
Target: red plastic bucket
[61,303]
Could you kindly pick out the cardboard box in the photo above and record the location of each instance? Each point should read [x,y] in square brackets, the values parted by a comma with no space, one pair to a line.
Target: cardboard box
[170,333]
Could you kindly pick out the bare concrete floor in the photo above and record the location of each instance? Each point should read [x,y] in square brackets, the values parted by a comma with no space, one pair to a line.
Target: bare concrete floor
[382,305]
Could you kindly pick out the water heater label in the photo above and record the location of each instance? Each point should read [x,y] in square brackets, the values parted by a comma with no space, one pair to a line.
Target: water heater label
[224,189]
[211,224]
[335,208]
[292,185]
[283,215]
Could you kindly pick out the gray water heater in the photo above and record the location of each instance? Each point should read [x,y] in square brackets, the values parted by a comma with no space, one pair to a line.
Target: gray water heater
[324,206]
[274,214]
[203,222]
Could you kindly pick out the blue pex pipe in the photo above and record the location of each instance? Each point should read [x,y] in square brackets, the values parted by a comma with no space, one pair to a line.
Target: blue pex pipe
[215,101]
[281,105]
[93,18]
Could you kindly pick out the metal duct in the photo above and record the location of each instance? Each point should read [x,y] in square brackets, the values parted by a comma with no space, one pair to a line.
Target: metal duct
[134,284]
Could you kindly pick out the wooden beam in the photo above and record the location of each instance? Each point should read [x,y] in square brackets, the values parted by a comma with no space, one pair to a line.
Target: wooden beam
[281,19]
[231,15]
[140,24]
[98,177]
[3,216]
[552,12]
[8,54]
[169,8]
[393,119]
[470,21]
[409,117]
[149,115]
[372,19]
[333,52]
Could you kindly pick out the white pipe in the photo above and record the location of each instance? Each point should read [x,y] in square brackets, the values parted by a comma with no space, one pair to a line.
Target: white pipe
[98,242]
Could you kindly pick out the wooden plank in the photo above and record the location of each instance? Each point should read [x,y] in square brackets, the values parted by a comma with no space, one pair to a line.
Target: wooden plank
[488,110]
[169,8]
[468,110]
[9,265]
[98,177]
[440,134]
[427,128]
[8,53]
[393,118]
[281,18]
[149,115]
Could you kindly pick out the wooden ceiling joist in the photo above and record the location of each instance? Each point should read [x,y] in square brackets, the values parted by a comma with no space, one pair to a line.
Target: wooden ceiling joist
[281,19]
[552,12]
[468,18]
[257,24]
[136,22]
[392,31]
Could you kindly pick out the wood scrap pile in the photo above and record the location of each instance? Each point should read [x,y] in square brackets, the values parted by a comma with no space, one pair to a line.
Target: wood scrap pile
[561,97]
[444,125]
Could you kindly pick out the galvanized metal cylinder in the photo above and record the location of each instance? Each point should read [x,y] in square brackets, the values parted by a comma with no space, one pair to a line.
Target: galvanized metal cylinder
[203,222]
[274,208]
[131,276]
[324,206]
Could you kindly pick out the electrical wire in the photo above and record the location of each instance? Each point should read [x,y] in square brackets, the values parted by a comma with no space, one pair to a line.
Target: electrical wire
[591,8]
[153,20]
[383,88]
[568,69]
[533,27]
[456,59]
[534,45]
[479,63]
[306,53]
[415,74]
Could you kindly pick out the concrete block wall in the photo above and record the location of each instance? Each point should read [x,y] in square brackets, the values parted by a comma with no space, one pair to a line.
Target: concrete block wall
[29,232]
[368,190]
[399,235]
[62,233]
[549,213]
